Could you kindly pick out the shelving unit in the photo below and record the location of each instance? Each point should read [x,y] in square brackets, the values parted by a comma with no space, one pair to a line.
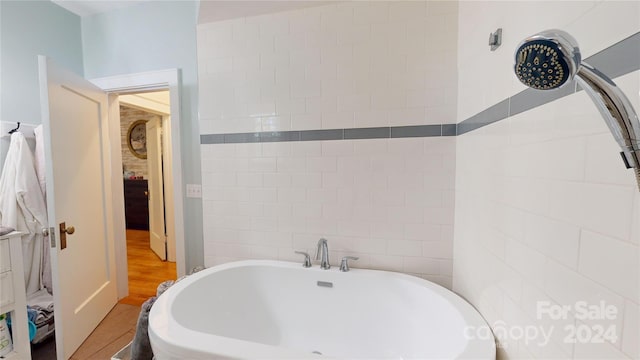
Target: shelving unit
[13,298]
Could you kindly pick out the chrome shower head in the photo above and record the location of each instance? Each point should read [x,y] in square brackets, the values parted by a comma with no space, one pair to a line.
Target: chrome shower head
[547,60]
[550,59]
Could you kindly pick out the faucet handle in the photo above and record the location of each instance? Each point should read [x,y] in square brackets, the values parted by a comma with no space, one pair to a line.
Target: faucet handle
[307,258]
[344,265]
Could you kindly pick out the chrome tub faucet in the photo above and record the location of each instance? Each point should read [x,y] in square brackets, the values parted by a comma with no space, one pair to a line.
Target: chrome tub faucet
[322,254]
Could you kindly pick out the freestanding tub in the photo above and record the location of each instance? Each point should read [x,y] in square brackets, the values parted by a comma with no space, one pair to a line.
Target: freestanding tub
[280,310]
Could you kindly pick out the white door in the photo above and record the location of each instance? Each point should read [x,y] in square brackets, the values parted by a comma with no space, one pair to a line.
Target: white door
[157,231]
[74,115]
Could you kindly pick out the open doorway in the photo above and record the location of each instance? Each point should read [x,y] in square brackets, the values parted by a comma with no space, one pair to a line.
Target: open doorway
[145,140]
[117,86]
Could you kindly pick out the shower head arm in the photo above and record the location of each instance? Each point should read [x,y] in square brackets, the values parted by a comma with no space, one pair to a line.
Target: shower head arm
[616,109]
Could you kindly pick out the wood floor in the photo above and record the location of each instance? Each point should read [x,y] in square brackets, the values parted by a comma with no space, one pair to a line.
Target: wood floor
[146,271]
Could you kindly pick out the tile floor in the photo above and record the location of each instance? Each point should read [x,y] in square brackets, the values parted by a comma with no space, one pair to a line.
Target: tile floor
[113,333]
[146,271]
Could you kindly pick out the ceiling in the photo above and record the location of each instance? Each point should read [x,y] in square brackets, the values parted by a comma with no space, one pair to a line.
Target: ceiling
[90,7]
[156,102]
[214,10]
[210,10]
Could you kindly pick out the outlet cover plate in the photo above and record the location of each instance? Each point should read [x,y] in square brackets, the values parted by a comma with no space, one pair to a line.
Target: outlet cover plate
[194,191]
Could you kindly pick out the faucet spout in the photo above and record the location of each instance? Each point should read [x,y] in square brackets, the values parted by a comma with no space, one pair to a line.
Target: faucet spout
[322,254]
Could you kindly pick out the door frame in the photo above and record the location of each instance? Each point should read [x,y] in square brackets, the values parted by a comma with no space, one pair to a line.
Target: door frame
[135,83]
[165,113]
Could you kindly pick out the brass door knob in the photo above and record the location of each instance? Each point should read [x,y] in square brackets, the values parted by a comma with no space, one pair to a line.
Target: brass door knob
[69,230]
[64,230]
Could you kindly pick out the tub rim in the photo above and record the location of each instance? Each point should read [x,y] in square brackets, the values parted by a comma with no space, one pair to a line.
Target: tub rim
[170,337]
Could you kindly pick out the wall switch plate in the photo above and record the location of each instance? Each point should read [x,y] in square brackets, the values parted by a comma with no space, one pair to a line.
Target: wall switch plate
[194,190]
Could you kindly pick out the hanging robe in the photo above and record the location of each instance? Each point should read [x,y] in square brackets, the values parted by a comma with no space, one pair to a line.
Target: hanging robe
[39,160]
[47,281]
[22,207]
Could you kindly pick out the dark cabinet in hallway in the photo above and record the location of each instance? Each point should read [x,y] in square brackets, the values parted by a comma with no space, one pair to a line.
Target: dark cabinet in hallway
[136,204]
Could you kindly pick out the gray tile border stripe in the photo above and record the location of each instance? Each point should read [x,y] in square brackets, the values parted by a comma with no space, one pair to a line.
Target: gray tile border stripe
[449,129]
[618,59]
[416,131]
[212,139]
[331,134]
[275,136]
[490,115]
[368,133]
[531,98]
[242,138]
[311,135]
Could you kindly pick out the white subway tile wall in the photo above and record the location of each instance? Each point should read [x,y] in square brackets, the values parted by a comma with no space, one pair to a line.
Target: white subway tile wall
[545,209]
[354,64]
[359,64]
[267,200]
[595,24]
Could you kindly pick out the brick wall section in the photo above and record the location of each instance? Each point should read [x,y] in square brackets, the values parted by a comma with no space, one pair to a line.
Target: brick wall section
[129,161]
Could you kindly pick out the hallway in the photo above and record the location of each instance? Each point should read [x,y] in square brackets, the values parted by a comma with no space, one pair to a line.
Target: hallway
[146,271]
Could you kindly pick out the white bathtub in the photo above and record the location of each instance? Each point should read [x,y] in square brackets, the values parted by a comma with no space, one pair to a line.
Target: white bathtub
[277,310]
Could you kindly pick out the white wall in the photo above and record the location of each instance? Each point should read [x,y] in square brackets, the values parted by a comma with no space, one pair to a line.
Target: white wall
[155,35]
[361,64]
[545,210]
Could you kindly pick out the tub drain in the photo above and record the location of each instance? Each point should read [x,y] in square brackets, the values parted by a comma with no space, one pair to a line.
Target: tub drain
[316,352]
